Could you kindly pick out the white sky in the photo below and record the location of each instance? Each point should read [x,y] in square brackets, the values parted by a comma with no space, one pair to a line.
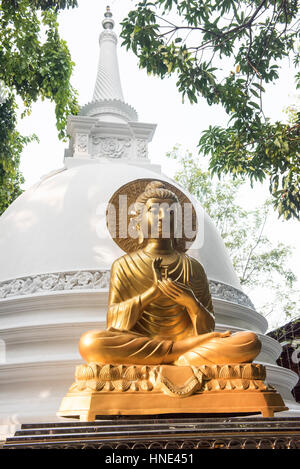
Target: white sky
[156,101]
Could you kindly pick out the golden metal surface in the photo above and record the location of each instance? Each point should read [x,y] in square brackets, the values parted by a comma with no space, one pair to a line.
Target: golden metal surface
[87,406]
[169,379]
[145,390]
[160,353]
[160,309]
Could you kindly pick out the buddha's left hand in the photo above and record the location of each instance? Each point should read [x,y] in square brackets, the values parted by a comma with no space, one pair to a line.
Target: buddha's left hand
[182,295]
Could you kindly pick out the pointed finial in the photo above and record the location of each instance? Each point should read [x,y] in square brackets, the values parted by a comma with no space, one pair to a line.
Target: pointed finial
[108,12]
[108,22]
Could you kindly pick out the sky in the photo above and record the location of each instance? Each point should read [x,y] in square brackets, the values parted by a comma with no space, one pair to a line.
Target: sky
[156,101]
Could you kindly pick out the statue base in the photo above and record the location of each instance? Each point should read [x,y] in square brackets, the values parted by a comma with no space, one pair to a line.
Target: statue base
[167,389]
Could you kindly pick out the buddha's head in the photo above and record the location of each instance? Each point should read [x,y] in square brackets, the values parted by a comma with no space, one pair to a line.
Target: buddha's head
[156,212]
[144,209]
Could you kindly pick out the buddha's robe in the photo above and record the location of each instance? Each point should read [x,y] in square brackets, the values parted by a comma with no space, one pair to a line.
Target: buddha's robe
[136,336]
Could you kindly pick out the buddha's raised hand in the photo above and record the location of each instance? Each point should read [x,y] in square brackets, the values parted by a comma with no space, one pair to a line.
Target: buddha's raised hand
[156,268]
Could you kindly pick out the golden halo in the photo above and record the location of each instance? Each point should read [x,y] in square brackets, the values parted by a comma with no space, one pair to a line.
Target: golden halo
[118,219]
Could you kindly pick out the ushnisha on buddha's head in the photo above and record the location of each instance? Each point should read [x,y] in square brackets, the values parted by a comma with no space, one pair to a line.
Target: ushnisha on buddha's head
[157,213]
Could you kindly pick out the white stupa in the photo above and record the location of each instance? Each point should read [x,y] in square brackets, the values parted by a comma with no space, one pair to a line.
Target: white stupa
[56,255]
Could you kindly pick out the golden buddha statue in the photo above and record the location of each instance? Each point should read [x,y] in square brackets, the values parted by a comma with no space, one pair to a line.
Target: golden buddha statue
[160,309]
[160,353]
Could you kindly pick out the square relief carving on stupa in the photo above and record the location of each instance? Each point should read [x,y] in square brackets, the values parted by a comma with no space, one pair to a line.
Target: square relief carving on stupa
[111,147]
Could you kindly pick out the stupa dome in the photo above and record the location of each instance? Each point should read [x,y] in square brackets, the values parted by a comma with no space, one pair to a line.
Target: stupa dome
[59,225]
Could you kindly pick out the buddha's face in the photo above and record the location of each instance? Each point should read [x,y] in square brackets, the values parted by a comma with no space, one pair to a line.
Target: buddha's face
[158,218]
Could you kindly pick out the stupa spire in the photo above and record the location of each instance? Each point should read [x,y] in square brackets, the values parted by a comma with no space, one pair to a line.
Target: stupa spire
[108,83]
[107,128]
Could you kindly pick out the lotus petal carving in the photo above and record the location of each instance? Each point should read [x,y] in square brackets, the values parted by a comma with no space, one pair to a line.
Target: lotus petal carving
[84,373]
[121,385]
[133,373]
[110,373]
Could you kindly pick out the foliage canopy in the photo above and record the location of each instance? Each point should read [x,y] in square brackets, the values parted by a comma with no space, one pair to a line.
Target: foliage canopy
[34,63]
[254,37]
[259,263]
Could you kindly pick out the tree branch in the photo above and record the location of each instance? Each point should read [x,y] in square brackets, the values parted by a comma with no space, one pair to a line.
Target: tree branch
[254,247]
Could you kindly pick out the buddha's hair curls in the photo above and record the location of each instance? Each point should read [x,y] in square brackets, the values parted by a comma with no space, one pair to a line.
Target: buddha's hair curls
[155,190]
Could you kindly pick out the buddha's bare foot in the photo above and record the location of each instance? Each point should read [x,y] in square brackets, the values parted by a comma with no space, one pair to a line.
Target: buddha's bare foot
[224,334]
[211,335]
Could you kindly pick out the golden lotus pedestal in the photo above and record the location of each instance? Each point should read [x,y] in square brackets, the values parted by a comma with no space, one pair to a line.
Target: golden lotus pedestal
[167,389]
